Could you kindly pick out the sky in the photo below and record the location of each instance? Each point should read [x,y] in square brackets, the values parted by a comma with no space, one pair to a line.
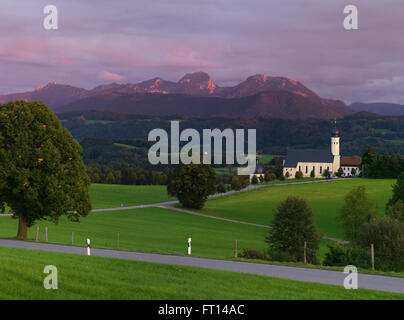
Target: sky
[103,41]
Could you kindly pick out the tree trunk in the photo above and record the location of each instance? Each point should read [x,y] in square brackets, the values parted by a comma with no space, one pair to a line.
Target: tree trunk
[22,228]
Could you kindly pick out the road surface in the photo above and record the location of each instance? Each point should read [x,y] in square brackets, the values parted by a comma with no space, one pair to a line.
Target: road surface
[365,281]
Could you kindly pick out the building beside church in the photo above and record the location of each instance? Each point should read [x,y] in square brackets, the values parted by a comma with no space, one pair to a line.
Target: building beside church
[312,160]
[351,166]
[259,170]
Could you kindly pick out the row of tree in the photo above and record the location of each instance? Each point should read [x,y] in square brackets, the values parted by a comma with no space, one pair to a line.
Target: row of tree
[364,226]
[376,165]
[127,176]
[295,237]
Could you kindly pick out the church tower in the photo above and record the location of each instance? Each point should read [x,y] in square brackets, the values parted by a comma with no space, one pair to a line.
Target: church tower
[335,147]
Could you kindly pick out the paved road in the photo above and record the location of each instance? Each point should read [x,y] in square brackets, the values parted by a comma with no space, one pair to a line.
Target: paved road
[213,217]
[381,283]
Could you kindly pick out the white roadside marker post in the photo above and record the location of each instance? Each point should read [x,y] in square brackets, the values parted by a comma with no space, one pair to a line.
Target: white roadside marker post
[189,246]
[88,247]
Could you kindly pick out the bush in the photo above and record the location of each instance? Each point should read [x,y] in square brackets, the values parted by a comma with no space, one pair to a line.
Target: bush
[292,226]
[253,254]
[254,179]
[387,235]
[269,176]
[245,181]
[312,174]
[342,255]
[396,211]
[221,188]
[339,173]
[236,183]
[299,175]
[326,173]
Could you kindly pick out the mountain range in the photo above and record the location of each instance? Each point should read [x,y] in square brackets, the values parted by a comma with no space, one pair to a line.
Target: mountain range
[389,109]
[194,95]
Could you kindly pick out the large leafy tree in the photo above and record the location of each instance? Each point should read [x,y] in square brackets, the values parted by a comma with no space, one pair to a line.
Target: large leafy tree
[356,210]
[398,190]
[369,156]
[192,184]
[42,175]
[292,226]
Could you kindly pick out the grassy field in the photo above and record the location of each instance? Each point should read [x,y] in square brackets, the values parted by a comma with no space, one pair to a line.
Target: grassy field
[325,199]
[113,195]
[266,158]
[82,277]
[262,158]
[166,231]
[150,230]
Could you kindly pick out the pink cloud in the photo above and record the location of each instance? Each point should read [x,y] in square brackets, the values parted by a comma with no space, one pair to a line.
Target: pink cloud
[109,76]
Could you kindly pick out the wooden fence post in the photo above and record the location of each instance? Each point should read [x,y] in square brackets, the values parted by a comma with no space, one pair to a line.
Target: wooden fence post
[37,233]
[235,248]
[305,253]
[372,254]
[46,234]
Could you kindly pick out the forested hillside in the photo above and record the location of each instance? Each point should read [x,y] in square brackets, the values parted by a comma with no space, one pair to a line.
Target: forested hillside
[274,136]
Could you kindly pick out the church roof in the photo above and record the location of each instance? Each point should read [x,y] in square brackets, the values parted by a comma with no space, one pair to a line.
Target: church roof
[307,155]
[354,161]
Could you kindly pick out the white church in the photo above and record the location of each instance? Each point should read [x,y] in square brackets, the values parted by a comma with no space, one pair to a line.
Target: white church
[308,160]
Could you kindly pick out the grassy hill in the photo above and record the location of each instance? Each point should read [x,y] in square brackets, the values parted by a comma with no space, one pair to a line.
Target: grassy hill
[113,195]
[166,231]
[82,277]
[149,230]
[324,198]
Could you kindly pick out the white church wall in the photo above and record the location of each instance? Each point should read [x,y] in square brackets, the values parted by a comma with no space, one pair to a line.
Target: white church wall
[319,169]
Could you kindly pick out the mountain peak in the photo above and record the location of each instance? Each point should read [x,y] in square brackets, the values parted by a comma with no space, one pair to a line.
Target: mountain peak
[197,81]
[258,78]
[195,76]
[50,84]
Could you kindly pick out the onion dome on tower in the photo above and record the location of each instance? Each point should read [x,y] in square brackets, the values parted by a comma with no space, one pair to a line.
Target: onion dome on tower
[335,131]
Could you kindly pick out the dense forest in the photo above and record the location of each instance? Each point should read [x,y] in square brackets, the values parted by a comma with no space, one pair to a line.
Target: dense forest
[274,136]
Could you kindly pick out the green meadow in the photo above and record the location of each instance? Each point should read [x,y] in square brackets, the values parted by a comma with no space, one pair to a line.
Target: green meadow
[266,158]
[149,230]
[325,198]
[83,277]
[166,231]
[113,195]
